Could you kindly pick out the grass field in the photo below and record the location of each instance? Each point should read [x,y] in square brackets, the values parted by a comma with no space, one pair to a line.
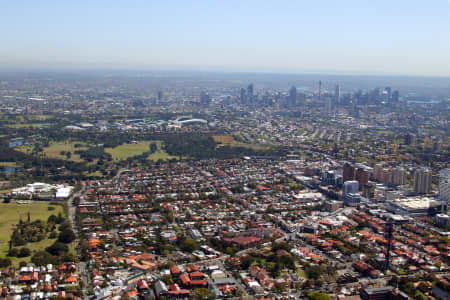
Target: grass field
[54,150]
[224,139]
[125,151]
[11,213]
[41,117]
[94,174]
[9,164]
[27,149]
[301,273]
[161,155]
[385,132]
[31,125]
[255,147]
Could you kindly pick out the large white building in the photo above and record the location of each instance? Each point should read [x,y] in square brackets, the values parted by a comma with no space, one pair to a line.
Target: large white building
[39,190]
[444,185]
[414,206]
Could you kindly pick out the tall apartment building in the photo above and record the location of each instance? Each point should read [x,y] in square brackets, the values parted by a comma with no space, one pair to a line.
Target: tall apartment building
[398,176]
[422,181]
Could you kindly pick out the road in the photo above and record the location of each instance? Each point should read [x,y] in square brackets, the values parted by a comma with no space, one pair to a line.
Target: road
[71,209]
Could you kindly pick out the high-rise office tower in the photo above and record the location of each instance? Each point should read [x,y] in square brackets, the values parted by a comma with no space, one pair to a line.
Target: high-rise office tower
[388,91]
[362,176]
[348,172]
[292,99]
[242,95]
[337,97]
[350,187]
[337,93]
[250,90]
[205,99]
[320,88]
[328,105]
[422,181]
[444,185]
[395,97]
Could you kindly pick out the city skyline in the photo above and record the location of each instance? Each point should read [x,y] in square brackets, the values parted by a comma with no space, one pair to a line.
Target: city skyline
[355,37]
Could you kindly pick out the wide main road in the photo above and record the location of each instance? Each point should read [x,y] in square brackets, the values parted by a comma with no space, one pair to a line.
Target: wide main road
[71,209]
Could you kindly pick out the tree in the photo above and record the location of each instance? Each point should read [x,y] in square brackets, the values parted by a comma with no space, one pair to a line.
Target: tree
[66,236]
[52,219]
[57,248]
[313,272]
[200,294]
[13,252]
[5,262]
[318,296]
[189,245]
[24,252]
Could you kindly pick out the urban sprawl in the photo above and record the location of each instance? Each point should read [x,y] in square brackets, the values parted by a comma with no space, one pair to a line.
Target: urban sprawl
[208,186]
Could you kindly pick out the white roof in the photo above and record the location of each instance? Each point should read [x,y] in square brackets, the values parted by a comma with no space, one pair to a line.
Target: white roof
[63,192]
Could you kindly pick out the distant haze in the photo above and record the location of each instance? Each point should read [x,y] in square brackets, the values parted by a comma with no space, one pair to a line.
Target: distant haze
[320,36]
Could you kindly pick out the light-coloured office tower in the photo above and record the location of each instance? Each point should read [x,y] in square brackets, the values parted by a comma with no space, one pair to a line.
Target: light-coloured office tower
[351,187]
[422,181]
[444,185]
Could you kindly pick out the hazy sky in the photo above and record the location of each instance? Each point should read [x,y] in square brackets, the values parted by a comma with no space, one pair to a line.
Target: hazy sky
[350,36]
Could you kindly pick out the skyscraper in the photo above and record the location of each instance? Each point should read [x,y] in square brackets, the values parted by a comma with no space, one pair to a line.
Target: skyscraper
[362,176]
[205,99]
[250,90]
[348,172]
[292,99]
[242,95]
[398,176]
[422,181]
[388,95]
[337,97]
[320,88]
[444,185]
[395,97]
[350,187]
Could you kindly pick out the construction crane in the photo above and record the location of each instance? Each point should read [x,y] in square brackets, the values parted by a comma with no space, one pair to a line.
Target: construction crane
[389,226]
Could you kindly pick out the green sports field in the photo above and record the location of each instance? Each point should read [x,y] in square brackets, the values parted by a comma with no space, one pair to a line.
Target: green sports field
[11,213]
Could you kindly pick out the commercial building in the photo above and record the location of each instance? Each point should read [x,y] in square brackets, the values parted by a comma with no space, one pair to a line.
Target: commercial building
[376,293]
[444,185]
[362,176]
[352,199]
[442,220]
[350,187]
[414,206]
[348,172]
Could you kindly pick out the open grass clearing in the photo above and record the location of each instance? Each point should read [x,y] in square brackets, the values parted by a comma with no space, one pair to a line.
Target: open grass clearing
[10,164]
[125,151]
[161,155]
[11,213]
[30,125]
[55,149]
[223,139]
[255,147]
